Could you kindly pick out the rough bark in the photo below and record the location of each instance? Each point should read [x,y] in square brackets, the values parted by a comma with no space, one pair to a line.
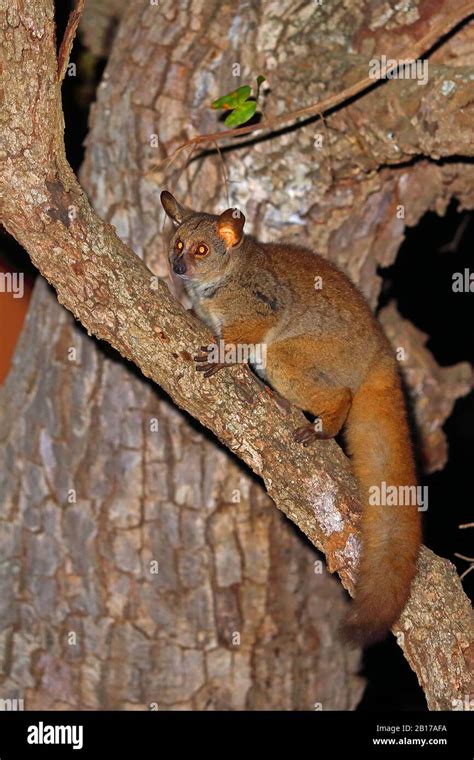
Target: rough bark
[109,290]
[99,24]
[92,496]
[242,613]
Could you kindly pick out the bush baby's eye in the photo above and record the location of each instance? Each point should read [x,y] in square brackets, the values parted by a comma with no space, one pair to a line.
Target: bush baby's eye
[179,245]
[202,249]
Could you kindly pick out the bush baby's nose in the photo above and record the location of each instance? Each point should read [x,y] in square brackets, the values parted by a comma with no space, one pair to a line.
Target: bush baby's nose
[179,267]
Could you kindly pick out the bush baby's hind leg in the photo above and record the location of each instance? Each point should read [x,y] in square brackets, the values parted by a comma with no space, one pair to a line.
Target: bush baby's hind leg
[329,403]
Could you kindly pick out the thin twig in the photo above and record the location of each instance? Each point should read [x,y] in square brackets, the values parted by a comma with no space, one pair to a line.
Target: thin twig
[68,39]
[466,559]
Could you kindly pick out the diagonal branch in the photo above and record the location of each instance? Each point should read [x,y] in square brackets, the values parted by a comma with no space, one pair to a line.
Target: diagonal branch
[116,297]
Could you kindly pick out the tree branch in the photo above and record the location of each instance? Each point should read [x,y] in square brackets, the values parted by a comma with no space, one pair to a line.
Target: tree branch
[68,39]
[319,109]
[110,290]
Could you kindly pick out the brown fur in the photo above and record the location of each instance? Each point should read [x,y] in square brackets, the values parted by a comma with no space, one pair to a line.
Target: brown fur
[327,354]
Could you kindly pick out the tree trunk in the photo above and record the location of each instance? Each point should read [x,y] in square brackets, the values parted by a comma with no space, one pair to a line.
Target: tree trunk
[143,566]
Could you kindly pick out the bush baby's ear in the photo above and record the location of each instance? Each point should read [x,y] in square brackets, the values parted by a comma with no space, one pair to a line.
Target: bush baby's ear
[173,209]
[230,227]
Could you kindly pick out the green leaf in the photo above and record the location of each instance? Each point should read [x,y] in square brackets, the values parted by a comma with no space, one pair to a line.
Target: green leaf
[233,99]
[241,114]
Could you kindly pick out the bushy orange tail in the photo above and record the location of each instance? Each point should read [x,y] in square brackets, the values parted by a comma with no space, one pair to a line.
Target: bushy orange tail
[379,441]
